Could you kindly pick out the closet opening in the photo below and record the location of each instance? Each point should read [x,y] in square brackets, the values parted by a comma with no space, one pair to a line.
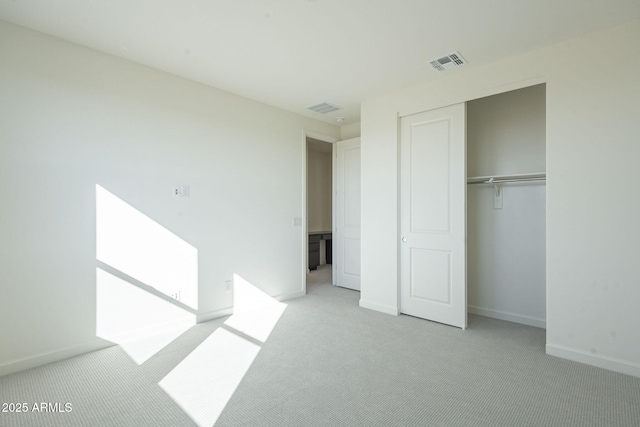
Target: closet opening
[506,206]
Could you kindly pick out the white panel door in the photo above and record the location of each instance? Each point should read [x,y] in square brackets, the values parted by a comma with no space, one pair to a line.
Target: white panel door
[347,214]
[433,215]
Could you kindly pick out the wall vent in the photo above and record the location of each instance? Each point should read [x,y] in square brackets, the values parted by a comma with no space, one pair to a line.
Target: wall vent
[447,62]
[323,108]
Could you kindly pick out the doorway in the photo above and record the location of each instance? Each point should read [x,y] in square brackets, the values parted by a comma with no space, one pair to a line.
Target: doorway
[319,208]
[506,223]
[332,203]
[504,275]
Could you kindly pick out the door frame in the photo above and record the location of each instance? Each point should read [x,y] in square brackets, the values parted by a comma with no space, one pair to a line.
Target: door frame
[411,108]
[305,234]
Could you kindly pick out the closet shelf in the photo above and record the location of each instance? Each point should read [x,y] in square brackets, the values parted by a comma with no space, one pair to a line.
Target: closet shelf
[498,179]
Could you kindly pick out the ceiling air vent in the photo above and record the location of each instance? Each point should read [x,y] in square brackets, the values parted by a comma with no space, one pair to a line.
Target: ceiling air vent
[323,108]
[448,62]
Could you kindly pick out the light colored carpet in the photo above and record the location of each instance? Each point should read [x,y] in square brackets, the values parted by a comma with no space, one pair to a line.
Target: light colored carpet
[330,363]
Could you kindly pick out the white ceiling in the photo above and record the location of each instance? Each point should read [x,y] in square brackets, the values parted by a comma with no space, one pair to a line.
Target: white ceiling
[296,53]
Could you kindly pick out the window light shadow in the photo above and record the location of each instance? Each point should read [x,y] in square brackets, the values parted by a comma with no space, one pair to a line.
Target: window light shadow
[140,322]
[146,279]
[131,242]
[254,312]
[204,382]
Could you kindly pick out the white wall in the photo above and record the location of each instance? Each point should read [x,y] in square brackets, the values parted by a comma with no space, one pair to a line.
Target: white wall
[349,131]
[71,118]
[592,205]
[319,179]
[506,247]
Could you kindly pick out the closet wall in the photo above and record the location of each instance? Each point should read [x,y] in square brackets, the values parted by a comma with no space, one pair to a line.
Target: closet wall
[506,247]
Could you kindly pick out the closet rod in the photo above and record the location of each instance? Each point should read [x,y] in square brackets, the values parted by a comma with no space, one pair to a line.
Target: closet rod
[498,179]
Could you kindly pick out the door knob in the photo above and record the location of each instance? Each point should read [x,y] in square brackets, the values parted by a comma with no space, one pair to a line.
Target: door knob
[404,239]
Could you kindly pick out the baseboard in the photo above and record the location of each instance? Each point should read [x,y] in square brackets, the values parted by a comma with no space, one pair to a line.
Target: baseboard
[597,360]
[379,307]
[157,329]
[211,315]
[508,316]
[17,365]
[291,295]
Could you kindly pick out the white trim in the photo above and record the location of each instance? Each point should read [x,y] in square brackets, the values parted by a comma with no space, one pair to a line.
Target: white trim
[290,295]
[379,307]
[319,137]
[508,316]
[211,315]
[334,221]
[153,330]
[305,234]
[600,361]
[17,365]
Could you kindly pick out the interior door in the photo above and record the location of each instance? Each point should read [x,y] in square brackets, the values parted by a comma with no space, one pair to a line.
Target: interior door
[347,214]
[433,215]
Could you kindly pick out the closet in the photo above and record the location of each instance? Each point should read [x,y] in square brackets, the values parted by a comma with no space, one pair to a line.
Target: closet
[506,205]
